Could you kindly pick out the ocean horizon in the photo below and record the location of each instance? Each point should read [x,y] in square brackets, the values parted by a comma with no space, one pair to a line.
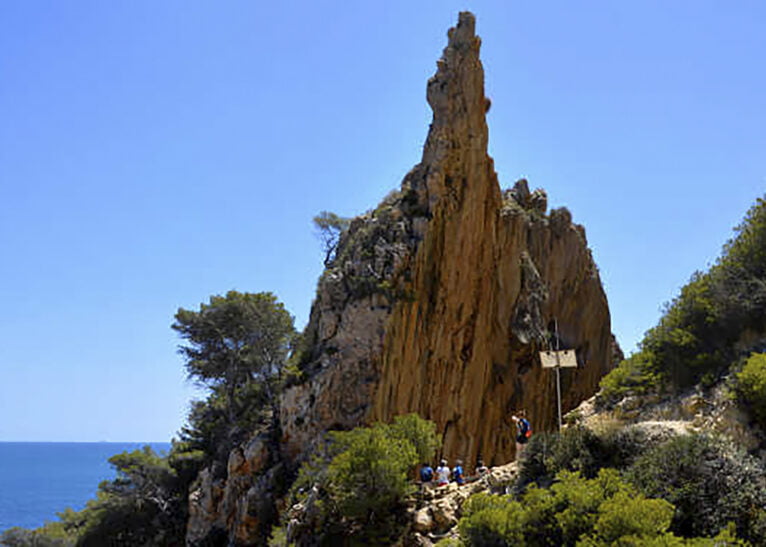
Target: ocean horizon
[40,479]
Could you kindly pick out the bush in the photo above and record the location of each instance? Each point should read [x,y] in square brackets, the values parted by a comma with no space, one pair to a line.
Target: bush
[634,517]
[368,479]
[579,449]
[633,376]
[492,521]
[710,484]
[575,511]
[362,479]
[42,537]
[751,386]
[417,431]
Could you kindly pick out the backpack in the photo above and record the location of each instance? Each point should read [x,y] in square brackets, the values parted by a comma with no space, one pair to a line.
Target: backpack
[525,428]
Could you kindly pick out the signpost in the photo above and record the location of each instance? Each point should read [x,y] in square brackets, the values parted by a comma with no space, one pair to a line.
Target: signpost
[556,360]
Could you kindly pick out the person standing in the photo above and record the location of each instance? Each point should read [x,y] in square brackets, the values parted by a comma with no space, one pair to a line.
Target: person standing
[523,432]
[442,474]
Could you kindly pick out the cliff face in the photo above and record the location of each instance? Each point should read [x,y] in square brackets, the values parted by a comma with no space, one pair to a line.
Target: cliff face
[466,284]
[436,302]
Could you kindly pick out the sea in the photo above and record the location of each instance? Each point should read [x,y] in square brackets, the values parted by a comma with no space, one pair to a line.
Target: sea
[38,480]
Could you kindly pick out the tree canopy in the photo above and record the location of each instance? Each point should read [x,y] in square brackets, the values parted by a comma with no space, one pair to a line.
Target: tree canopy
[330,227]
[240,337]
[237,346]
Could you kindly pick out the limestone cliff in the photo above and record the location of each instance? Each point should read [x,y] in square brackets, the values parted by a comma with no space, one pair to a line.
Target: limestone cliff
[436,302]
[464,283]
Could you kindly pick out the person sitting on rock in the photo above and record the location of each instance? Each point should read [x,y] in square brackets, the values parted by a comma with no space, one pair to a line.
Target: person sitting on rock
[426,474]
[481,469]
[442,474]
[457,472]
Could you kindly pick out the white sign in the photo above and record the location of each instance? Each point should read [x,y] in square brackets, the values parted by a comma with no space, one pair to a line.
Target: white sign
[563,358]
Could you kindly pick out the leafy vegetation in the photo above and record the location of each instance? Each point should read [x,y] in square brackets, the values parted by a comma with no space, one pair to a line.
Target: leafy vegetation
[751,386]
[719,316]
[578,449]
[238,345]
[710,484]
[330,227]
[604,510]
[362,479]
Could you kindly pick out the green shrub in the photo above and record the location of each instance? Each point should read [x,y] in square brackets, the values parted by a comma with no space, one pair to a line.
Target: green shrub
[627,515]
[751,386]
[580,449]
[604,510]
[50,535]
[548,453]
[710,483]
[492,521]
[369,478]
[633,376]
[362,478]
[417,431]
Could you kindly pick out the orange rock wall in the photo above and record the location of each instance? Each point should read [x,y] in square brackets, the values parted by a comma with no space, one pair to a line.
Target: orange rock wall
[460,353]
[485,273]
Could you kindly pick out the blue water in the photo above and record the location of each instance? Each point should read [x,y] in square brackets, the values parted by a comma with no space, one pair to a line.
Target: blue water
[38,480]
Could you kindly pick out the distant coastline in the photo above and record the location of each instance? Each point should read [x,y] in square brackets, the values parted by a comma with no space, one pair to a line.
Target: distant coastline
[138,443]
[39,479]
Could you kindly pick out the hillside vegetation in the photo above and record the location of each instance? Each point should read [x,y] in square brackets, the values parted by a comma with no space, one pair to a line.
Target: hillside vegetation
[717,321]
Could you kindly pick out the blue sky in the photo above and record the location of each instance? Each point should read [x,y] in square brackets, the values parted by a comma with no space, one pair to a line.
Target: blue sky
[155,153]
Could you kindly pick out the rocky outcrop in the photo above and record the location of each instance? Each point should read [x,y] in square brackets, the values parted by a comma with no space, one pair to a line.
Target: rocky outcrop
[710,410]
[431,515]
[463,285]
[236,506]
[347,327]
[437,302]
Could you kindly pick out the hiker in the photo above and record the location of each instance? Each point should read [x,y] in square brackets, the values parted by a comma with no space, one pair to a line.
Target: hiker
[481,469]
[426,474]
[523,432]
[442,474]
[457,472]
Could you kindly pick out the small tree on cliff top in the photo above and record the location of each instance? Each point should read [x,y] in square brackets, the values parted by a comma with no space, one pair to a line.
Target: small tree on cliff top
[329,228]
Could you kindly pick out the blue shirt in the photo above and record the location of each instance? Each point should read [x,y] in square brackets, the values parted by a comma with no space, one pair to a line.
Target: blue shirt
[426,473]
[457,474]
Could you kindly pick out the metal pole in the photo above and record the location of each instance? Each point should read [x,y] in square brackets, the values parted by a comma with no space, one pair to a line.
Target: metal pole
[558,391]
[558,373]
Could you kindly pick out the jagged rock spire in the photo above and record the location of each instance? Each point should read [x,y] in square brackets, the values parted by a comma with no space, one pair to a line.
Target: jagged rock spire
[456,91]
[458,136]
[487,279]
